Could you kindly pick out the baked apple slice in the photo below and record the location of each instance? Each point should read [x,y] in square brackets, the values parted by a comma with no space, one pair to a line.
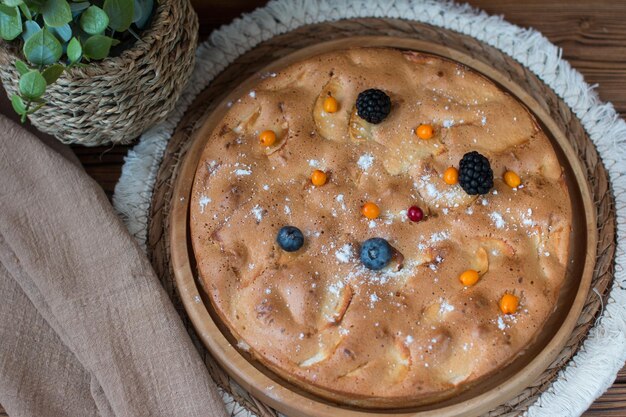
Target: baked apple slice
[359,129]
[497,246]
[480,261]
[399,360]
[327,342]
[335,304]
[391,368]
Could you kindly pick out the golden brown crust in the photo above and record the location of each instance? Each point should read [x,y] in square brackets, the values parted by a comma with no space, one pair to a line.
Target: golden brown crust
[411,332]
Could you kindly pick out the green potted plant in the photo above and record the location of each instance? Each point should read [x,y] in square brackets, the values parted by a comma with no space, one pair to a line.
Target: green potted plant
[95,71]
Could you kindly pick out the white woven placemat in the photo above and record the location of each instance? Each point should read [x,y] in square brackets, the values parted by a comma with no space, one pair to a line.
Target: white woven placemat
[603,353]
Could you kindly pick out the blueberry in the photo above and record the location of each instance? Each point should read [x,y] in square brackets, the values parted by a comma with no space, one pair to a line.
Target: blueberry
[290,238]
[376,253]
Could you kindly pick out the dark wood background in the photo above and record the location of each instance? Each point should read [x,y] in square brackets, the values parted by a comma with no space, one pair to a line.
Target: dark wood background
[592,34]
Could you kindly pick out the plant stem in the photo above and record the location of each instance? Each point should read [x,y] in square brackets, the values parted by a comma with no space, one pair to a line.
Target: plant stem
[132,32]
[23,118]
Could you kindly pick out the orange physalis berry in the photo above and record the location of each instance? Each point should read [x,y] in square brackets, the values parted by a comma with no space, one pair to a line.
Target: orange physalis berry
[330,105]
[469,277]
[424,131]
[451,175]
[512,179]
[370,210]
[267,138]
[509,303]
[318,177]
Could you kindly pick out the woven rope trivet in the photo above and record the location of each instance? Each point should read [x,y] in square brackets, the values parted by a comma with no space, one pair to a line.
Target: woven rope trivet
[566,388]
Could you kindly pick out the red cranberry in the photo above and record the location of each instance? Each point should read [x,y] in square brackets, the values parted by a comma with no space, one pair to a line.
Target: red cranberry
[415,214]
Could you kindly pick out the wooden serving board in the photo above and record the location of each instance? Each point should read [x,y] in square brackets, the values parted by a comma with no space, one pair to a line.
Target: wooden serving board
[479,399]
[594,227]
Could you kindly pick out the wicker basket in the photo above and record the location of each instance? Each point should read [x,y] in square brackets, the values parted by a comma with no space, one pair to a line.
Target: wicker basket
[115,100]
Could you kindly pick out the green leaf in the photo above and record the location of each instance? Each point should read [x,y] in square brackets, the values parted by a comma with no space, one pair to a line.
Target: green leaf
[32,85]
[12,3]
[142,12]
[43,48]
[74,50]
[34,5]
[76,8]
[22,68]
[10,11]
[94,20]
[56,13]
[18,104]
[10,22]
[120,14]
[30,28]
[63,33]
[97,47]
[26,11]
[52,73]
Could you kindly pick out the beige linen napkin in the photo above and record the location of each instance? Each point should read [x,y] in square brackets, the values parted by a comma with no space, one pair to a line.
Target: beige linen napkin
[85,327]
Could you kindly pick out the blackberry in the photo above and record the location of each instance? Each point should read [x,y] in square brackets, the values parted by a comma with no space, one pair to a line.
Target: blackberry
[373,105]
[475,174]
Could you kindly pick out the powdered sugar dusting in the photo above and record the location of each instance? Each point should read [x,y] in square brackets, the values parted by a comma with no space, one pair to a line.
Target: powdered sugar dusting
[340,199]
[439,236]
[204,200]
[445,307]
[425,185]
[374,298]
[345,253]
[242,172]
[317,164]
[366,161]
[527,219]
[448,123]
[257,212]
[497,220]
[336,288]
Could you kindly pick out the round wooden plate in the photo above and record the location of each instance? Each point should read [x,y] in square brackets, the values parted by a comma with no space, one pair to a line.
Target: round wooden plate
[482,397]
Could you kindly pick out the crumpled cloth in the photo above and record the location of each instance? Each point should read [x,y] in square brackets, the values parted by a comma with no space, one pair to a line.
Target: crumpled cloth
[85,327]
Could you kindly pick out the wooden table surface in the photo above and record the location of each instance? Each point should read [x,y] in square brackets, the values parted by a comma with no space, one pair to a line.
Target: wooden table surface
[592,34]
